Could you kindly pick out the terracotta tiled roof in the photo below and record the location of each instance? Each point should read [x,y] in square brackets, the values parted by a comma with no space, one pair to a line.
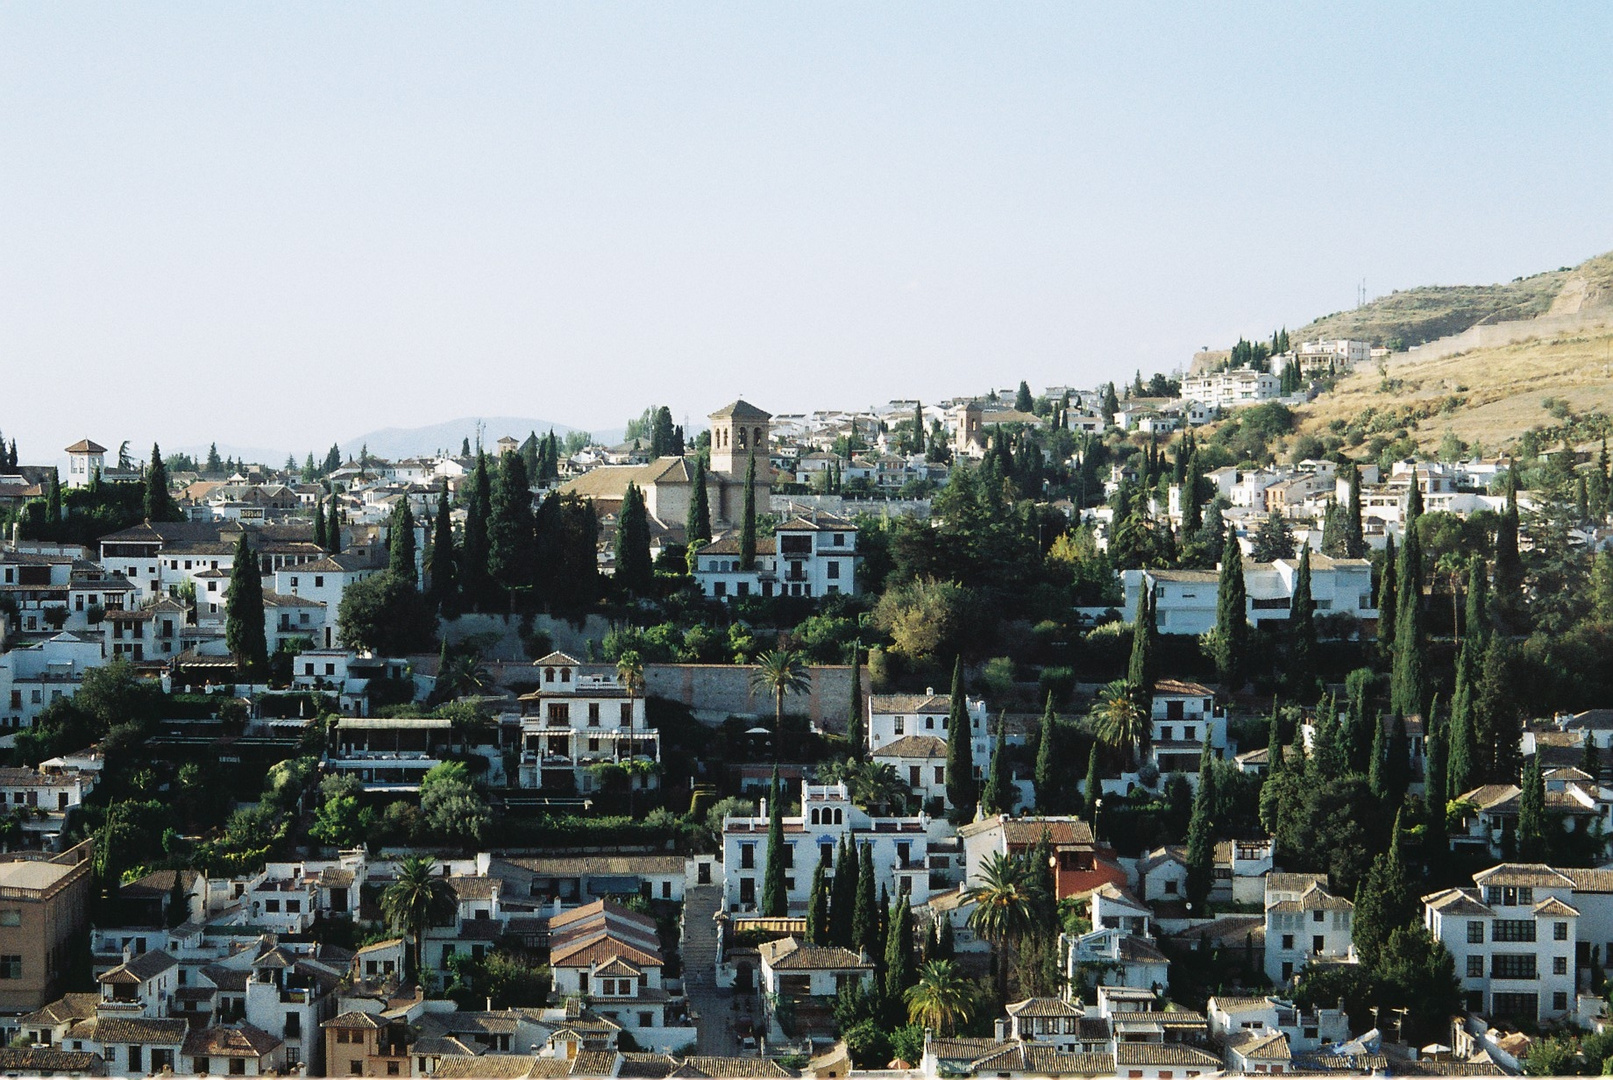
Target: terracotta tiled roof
[241,1040]
[789,954]
[913,746]
[1535,875]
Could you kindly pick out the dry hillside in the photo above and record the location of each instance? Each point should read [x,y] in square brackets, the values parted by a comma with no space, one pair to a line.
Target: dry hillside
[1487,396]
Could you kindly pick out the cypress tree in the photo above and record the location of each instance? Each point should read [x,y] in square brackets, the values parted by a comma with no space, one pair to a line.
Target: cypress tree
[1476,617]
[775,901]
[747,526]
[697,525]
[855,737]
[1397,761]
[159,504]
[1201,833]
[1384,901]
[1509,603]
[1094,786]
[1231,617]
[1302,632]
[865,915]
[843,896]
[401,545]
[1408,677]
[995,796]
[53,500]
[511,536]
[1274,741]
[1590,761]
[1355,540]
[1388,598]
[319,524]
[917,446]
[443,584]
[473,566]
[1463,768]
[333,526]
[177,909]
[634,571]
[1191,492]
[244,633]
[817,918]
[1140,672]
[960,752]
[1532,814]
[1046,777]
[945,949]
[1436,775]
[1376,768]
[899,958]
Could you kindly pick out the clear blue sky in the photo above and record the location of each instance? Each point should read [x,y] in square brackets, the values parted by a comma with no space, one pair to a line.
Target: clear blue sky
[278,225]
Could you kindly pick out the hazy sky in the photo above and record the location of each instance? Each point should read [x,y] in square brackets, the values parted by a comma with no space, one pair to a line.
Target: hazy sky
[282,224]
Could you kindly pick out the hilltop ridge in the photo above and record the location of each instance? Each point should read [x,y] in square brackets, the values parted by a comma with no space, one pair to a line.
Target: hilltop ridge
[1410,317]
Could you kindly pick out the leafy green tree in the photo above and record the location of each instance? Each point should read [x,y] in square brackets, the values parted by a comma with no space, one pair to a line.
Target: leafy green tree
[244,632]
[444,583]
[1201,834]
[385,615]
[747,524]
[697,526]
[1273,540]
[416,899]
[340,822]
[1231,619]
[401,545]
[960,775]
[634,571]
[1416,970]
[775,901]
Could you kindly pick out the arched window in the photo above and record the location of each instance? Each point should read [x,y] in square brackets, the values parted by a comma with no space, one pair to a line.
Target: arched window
[742,438]
[565,674]
[756,439]
[548,674]
[814,815]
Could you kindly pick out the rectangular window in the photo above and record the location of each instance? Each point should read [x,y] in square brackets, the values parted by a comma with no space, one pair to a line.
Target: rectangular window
[1559,931]
[1520,1005]
[1559,1000]
[10,916]
[1475,967]
[833,569]
[1559,965]
[11,966]
[747,856]
[1513,930]
[1475,932]
[1512,966]
[593,714]
[940,774]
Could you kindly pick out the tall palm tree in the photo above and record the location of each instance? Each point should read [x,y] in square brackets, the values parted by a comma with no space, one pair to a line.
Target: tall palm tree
[630,673]
[779,672]
[1005,904]
[1120,718]
[941,999]
[416,899]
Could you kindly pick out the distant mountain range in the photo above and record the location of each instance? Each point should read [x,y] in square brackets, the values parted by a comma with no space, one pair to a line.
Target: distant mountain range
[396,443]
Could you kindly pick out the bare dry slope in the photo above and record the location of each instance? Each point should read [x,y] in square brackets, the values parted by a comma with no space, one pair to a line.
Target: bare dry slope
[1487,396]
